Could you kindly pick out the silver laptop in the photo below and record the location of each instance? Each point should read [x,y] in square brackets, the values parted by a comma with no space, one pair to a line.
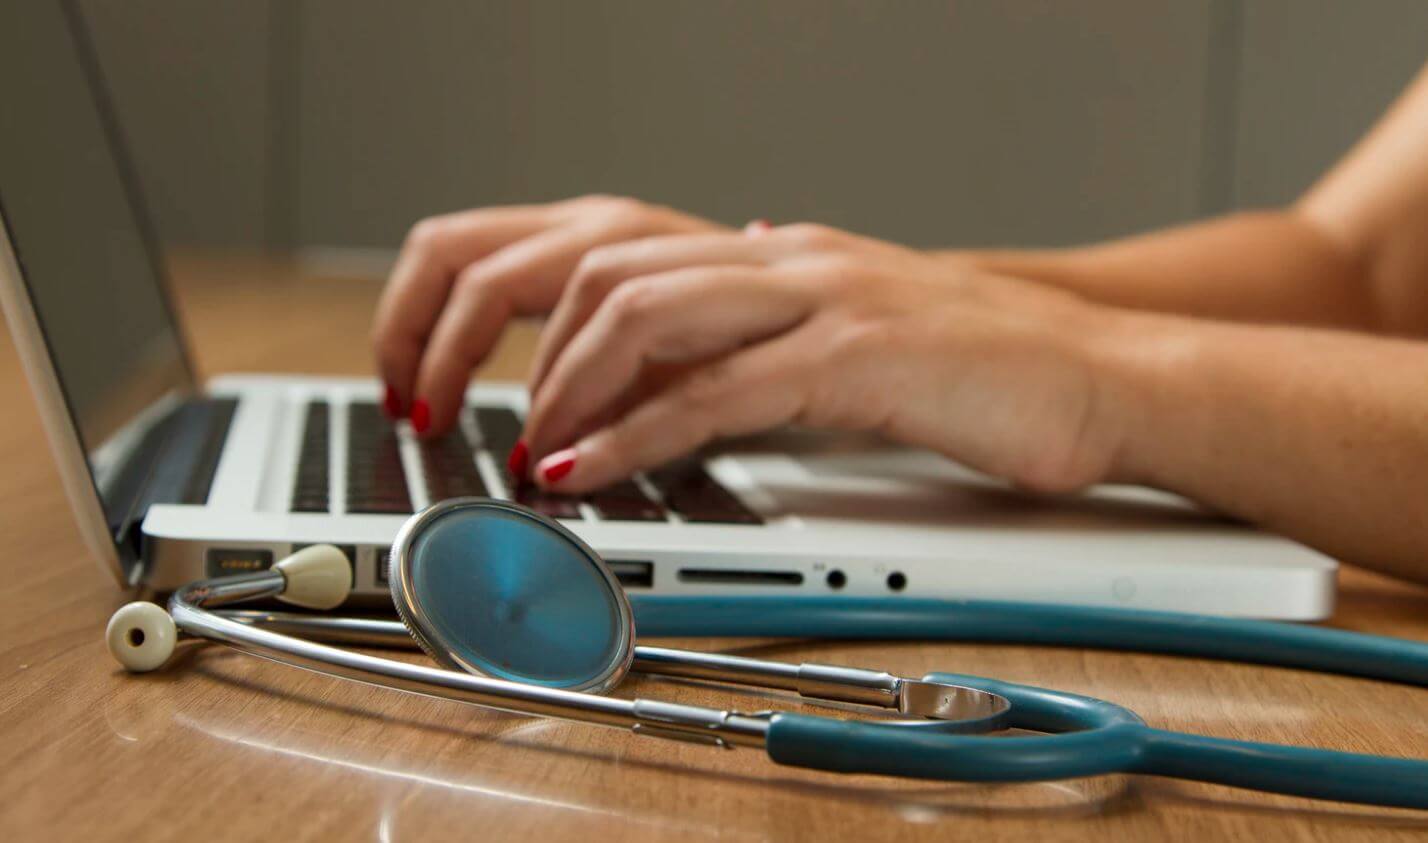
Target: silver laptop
[172,480]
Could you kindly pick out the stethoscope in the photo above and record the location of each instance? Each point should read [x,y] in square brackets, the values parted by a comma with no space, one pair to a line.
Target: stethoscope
[524,617]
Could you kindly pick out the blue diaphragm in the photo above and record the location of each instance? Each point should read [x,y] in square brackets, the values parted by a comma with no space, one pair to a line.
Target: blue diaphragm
[496,589]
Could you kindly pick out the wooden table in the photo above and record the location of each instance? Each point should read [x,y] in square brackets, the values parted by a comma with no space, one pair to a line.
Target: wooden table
[234,747]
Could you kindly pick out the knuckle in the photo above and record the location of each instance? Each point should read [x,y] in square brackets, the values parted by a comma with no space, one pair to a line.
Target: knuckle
[709,387]
[840,269]
[812,235]
[424,236]
[627,214]
[447,366]
[612,208]
[474,284]
[591,200]
[837,274]
[594,272]
[632,303]
[469,287]
[861,336]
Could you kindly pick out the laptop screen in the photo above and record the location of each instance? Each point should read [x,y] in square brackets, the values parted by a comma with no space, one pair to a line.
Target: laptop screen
[79,238]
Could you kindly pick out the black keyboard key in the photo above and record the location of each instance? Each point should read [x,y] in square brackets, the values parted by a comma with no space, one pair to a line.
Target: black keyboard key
[625,501]
[449,468]
[381,506]
[623,489]
[548,503]
[500,429]
[715,506]
[312,503]
[689,490]
[376,479]
[623,509]
[310,490]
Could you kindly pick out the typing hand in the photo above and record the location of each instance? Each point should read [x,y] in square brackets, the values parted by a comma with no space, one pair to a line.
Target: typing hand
[808,325]
[461,277]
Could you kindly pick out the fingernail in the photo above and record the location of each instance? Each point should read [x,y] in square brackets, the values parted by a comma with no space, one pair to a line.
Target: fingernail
[757,227]
[392,403]
[518,461]
[421,415]
[556,466]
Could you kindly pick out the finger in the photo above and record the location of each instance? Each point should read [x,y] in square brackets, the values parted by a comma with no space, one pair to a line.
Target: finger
[758,388]
[678,316]
[520,279]
[604,269]
[434,253]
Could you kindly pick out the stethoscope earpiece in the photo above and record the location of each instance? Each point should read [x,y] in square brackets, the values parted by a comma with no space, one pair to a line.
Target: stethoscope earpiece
[141,636]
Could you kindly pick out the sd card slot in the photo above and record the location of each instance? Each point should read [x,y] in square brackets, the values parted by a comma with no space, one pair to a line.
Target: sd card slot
[736,576]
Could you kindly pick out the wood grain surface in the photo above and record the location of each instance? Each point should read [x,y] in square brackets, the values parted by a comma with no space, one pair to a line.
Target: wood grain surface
[224,746]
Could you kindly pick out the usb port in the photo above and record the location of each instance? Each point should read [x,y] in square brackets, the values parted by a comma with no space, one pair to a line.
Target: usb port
[632,573]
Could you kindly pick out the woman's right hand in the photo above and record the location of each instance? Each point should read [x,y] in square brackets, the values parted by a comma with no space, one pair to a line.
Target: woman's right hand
[460,277]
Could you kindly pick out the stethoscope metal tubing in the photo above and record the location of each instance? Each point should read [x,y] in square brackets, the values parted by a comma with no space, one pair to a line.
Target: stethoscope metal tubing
[188,607]
[977,710]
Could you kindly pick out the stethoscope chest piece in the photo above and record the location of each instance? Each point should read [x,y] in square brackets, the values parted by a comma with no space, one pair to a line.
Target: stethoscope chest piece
[495,589]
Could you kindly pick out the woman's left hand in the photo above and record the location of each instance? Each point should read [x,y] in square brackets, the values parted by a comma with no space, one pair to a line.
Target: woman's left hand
[807,325]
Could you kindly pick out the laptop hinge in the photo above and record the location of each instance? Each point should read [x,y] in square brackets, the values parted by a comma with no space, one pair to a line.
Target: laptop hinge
[173,462]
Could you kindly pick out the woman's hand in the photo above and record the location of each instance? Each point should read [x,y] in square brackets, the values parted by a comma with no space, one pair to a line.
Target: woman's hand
[461,277]
[807,325]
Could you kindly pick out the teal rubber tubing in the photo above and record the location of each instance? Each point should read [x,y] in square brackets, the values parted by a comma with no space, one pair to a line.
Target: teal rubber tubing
[1101,738]
[1232,639]
[1295,770]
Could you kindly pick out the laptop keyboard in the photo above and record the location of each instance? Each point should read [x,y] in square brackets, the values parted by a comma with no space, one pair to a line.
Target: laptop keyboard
[377,482]
[500,428]
[310,490]
[449,466]
[689,490]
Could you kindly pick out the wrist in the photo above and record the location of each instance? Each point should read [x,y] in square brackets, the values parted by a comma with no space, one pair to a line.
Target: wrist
[1148,405]
[994,261]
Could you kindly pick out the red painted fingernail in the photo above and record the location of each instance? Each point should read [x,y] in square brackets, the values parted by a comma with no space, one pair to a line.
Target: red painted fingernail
[421,415]
[518,461]
[758,226]
[392,403]
[556,466]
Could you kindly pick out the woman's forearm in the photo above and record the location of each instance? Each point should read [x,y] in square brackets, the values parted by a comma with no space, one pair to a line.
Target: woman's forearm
[1270,266]
[1321,435]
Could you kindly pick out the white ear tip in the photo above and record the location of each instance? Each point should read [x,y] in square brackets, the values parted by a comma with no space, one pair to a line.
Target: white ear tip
[141,636]
[318,577]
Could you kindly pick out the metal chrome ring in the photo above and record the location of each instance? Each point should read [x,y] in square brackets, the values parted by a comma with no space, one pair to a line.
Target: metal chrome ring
[419,625]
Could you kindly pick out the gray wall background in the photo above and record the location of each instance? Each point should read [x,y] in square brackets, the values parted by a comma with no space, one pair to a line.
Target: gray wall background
[339,122]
